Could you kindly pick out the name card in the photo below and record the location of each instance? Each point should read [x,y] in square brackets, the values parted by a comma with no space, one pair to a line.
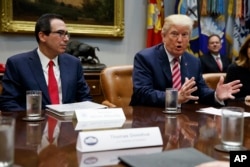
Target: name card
[88,119]
[105,158]
[90,141]
[93,125]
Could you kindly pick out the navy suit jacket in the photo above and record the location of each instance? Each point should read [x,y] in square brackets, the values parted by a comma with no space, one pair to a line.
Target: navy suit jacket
[209,65]
[152,75]
[24,72]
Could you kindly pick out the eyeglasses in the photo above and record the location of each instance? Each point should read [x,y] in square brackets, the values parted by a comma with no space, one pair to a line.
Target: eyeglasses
[61,33]
[175,34]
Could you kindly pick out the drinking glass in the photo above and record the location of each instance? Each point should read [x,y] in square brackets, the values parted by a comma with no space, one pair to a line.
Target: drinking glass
[232,129]
[7,131]
[171,101]
[33,105]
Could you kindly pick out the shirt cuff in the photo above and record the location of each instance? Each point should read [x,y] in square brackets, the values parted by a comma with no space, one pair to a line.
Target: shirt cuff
[217,100]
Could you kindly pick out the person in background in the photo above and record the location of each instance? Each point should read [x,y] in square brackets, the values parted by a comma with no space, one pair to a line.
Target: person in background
[29,70]
[240,70]
[213,62]
[152,72]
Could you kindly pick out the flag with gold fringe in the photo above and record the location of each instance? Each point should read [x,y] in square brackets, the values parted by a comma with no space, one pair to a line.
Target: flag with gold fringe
[155,20]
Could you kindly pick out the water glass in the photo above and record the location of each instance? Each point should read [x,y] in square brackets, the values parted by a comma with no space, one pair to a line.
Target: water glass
[232,129]
[33,104]
[171,100]
[7,131]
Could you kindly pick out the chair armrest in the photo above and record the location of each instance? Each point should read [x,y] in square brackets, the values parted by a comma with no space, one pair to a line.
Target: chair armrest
[109,104]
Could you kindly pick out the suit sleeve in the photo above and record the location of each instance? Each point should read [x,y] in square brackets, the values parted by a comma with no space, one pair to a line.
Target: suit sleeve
[144,84]
[11,98]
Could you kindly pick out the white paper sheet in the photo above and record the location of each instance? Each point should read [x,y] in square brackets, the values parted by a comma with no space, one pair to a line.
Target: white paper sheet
[215,111]
[69,109]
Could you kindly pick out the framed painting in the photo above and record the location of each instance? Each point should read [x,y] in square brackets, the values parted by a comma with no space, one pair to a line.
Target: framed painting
[99,18]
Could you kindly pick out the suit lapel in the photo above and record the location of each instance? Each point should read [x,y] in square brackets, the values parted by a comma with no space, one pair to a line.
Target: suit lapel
[34,63]
[163,58]
[212,62]
[64,71]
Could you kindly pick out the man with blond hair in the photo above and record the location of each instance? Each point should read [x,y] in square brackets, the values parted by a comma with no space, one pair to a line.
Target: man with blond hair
[152,72]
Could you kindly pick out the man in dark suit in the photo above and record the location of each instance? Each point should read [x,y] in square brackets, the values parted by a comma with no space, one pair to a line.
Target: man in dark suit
[152,72]
[29,71]
[213,62]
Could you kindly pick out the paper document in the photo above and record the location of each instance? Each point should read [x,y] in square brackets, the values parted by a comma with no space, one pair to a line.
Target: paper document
[69,109]
[215,111]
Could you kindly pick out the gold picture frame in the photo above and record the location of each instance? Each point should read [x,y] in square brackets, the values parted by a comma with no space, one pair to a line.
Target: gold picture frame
[9,25]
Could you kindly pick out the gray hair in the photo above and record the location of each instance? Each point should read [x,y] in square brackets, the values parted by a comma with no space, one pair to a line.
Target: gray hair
[177,19]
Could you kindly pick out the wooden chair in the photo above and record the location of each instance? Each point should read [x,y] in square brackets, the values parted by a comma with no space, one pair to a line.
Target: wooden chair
[212,79]
[117,86]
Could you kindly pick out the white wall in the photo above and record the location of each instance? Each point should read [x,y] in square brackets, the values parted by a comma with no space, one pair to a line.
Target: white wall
[112,51]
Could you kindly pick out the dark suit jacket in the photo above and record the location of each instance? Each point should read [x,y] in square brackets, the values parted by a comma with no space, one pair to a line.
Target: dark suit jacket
[209,65]
[152,75]
[236,72]
[24,72]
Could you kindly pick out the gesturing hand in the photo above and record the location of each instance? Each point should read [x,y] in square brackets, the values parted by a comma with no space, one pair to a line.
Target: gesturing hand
[226,91]
[186,90]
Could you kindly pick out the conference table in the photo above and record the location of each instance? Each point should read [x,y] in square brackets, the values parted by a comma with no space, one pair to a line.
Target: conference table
[186,129]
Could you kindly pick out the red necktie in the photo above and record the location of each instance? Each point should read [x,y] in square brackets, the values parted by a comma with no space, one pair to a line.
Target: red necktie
[219,63]
[176,74]
[51,127]
[52,85]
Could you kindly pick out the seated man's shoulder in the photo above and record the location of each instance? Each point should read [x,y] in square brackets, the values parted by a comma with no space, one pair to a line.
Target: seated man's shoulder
[204,56]
[21,56]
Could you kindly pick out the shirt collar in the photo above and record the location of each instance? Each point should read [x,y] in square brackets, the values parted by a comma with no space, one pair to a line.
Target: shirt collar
[215,56]
[45,60]
[170,57]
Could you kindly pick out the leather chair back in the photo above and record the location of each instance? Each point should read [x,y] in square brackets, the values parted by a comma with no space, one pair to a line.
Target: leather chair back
[212,79]
[117,86]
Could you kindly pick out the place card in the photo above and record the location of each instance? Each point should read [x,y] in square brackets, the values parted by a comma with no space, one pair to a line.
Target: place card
[90,141]
[105,158]
[88,119]
[93,125]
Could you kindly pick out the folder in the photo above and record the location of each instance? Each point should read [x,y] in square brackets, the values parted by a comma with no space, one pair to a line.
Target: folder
[184,157]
